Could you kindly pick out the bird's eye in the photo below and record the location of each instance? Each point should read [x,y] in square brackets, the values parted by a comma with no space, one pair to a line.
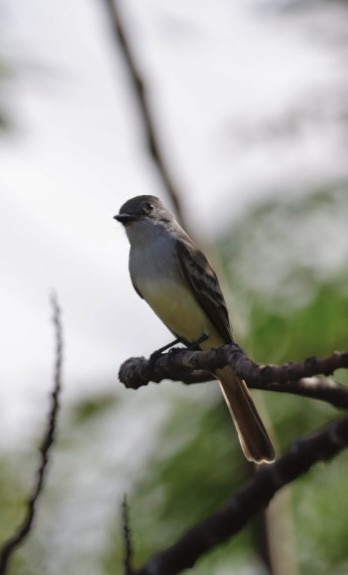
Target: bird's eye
[148,207]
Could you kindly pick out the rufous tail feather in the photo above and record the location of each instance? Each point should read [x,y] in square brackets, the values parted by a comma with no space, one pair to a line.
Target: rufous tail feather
[252,433]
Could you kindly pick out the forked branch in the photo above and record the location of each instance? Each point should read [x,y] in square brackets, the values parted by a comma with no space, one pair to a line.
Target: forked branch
[198,366]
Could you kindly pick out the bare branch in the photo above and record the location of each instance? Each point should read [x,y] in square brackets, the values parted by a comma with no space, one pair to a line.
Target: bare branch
[197,366]
[24,529]
[249,500]
[323,389]
[127,540]
[141,93]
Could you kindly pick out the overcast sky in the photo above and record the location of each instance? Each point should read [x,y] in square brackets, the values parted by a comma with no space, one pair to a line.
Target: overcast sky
[228,80]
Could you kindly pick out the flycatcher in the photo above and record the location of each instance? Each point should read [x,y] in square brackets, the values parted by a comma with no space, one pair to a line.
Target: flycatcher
[176,280]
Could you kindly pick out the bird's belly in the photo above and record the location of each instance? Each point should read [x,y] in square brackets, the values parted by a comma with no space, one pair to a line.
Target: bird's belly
[176,306]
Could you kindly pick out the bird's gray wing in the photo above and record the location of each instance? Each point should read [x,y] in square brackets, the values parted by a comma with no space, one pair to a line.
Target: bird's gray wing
[205,286]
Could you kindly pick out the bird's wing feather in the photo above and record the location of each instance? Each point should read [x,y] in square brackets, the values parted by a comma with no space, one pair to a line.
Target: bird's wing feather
[205,286]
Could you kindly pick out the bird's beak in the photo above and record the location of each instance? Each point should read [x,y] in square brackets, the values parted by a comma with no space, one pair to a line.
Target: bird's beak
[124,218]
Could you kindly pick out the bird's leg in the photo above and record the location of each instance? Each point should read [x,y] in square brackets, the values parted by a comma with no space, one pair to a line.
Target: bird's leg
[194,345]
[165,347]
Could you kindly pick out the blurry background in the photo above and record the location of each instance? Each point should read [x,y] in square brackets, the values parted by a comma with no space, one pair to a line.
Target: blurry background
[250,102]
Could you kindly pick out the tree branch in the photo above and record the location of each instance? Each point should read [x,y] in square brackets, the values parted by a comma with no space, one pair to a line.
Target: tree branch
[141,93]
[323,389]
[24,529]
[198,366]
[249,500]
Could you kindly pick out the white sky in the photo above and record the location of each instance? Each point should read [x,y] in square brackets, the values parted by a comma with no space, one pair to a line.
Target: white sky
[224,76]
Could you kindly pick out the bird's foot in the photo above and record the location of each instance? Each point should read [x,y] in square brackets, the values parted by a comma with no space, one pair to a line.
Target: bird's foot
[193,346]
[159,352]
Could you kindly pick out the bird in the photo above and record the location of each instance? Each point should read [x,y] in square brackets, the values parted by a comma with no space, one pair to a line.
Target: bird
[174,277]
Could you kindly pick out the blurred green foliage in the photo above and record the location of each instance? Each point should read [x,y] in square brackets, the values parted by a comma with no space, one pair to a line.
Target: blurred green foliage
[288,273]
[92,408]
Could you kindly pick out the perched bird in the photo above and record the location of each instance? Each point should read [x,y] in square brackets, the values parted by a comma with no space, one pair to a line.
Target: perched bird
[174,277]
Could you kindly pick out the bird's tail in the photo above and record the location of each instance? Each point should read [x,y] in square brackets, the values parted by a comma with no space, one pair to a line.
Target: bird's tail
[252,434]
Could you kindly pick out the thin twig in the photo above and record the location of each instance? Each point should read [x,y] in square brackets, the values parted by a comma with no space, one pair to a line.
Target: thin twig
[25,528]
[141,93]
[320,388]
[249,500]
[127,540]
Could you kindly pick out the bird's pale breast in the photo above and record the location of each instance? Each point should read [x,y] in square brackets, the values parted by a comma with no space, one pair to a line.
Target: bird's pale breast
[166,291]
